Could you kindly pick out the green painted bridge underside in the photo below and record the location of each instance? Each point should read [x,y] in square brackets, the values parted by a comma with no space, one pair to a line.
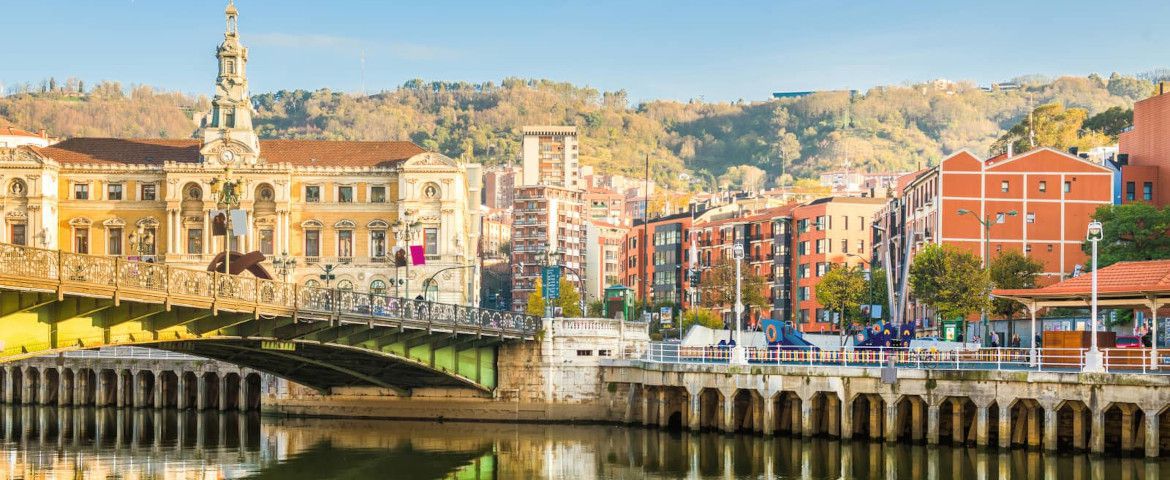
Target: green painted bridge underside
[319,353]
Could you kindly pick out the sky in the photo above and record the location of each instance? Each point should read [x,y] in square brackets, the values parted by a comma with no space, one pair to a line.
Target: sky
[679,49]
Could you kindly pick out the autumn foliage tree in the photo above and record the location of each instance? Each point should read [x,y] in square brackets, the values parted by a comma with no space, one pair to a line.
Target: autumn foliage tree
[950,281]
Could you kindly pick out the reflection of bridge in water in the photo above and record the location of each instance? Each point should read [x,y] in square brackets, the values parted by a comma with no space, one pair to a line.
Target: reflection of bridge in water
[53,301]
[125,443]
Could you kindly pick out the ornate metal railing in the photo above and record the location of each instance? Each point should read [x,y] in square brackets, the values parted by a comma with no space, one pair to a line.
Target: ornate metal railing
[32,264]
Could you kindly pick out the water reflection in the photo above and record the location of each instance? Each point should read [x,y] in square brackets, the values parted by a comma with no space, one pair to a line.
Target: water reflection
[51,442]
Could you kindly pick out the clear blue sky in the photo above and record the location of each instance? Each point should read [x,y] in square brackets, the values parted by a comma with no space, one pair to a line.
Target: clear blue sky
[718,50]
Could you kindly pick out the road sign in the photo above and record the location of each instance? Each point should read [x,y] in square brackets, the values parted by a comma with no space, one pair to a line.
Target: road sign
[551,283]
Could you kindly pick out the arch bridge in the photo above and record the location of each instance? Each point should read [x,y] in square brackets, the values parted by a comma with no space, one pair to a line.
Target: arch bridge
[52,301]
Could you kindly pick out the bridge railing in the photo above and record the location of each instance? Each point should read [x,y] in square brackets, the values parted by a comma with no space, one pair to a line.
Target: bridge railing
[28,265]
[1115,360]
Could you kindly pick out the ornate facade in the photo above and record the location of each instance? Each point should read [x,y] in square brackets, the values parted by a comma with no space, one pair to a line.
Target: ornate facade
[344,204]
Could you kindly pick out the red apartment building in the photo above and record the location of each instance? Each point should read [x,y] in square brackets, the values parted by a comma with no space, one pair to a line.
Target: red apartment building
[1145,151]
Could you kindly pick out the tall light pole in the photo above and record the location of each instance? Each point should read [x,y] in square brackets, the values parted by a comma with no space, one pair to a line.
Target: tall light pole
[986,223]
[738,354]
[1093,360]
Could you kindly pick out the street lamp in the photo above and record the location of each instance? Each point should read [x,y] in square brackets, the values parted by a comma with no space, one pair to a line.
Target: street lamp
[1093,360]
[986,223]
[284,265]
[738,356]
[328,275]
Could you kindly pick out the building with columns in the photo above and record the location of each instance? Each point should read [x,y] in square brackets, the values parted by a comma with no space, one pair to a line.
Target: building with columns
[348,204]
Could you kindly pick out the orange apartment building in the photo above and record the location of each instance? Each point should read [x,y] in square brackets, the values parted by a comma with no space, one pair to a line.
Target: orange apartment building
[1053,194]
[1145,151]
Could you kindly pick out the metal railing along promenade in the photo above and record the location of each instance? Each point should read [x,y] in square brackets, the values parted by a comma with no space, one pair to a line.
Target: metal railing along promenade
[1066,360]
[35,269]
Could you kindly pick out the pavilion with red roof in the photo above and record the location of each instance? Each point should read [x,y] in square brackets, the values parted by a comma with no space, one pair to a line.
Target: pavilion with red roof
[1134,284]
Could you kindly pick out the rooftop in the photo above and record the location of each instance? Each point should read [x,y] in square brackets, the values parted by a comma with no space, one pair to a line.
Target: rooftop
[114,151]
[1137,277]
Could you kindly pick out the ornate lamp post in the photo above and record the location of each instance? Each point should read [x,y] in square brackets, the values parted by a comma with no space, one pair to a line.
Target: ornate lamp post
[738,354]
[986,223]
[227,197]
[284,265]
[404,229]
[1093,359]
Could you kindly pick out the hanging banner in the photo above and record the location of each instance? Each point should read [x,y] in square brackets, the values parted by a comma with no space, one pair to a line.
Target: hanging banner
[418,255]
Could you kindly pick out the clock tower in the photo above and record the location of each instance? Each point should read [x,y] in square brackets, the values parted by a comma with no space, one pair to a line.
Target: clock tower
[228,137]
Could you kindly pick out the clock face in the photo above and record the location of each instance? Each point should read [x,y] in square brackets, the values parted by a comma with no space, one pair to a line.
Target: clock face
[227,156]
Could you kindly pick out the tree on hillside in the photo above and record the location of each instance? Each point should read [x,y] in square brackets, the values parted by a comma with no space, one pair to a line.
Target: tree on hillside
[950,281]
[1131,231]
[1134,88]
[1011,269]
[842,290]
[787,150]
[1051,125]
[1111,122]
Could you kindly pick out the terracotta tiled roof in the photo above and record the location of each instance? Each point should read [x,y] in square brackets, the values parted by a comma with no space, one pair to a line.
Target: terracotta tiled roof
[9,130]
[1122,277]
[296,152]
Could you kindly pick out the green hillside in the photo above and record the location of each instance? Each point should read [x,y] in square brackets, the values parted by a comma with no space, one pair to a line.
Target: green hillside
[883,129]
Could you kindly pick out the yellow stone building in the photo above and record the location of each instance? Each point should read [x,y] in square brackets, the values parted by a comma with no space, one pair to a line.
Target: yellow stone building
[345,204]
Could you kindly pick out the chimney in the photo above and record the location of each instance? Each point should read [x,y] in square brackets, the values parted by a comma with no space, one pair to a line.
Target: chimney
[43,133]
[1010,152]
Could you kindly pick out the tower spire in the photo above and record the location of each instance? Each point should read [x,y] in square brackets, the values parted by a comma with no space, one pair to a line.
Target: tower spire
[228,136]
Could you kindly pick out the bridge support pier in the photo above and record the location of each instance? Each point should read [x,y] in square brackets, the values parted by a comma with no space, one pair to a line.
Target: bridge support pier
[63,390]
[1097,430]
[845,413]
[1153,433]
[694,409]
[727,422]
[9,384]
[159,392]
[1051,422]
[982,422]
[932,424]
[28,393]
[201,394]
[119,390]
[768,413]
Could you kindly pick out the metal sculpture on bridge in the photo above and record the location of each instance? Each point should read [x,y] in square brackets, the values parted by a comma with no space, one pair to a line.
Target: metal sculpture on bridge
[53,301]
[239,262]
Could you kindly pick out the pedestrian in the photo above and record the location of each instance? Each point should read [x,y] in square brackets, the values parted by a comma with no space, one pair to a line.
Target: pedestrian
[1036,343]
[994,339]
[1015,341]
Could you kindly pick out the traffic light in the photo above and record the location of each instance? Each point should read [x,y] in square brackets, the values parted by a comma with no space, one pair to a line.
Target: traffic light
[400,258]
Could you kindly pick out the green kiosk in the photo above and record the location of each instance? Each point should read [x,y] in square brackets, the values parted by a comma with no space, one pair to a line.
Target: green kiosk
[618,298]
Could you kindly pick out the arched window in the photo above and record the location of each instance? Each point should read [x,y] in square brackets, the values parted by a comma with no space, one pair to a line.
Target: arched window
[378,287]
[312,283]
[345,285]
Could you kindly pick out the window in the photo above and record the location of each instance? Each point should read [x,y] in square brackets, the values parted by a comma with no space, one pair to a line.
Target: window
[846,218]
[1067,187]
[584,353]
[431,240]
[266,241]
[603,353]
[345,285]
[822,246]
[1030,217]
[1148,191]
[1042,186]
[114,241]
[312,194]
[230,118]
[804,316]
[822,268]
[81,240]
[312,243]
[1130,191]
[195,241]
[1000,217]
[312,283]
[1049,248]
[148,192]
[345,194]
[378,194]
[844,245]
[18,234]
[81,191]
[1004,186]
[861,223]
[802,248]
[1027,248]
[378,287]
[802,271]
[802,293]
[345,243]
[861,247]
[378,244]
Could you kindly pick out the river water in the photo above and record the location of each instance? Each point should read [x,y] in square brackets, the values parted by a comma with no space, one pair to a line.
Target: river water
[82,443]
